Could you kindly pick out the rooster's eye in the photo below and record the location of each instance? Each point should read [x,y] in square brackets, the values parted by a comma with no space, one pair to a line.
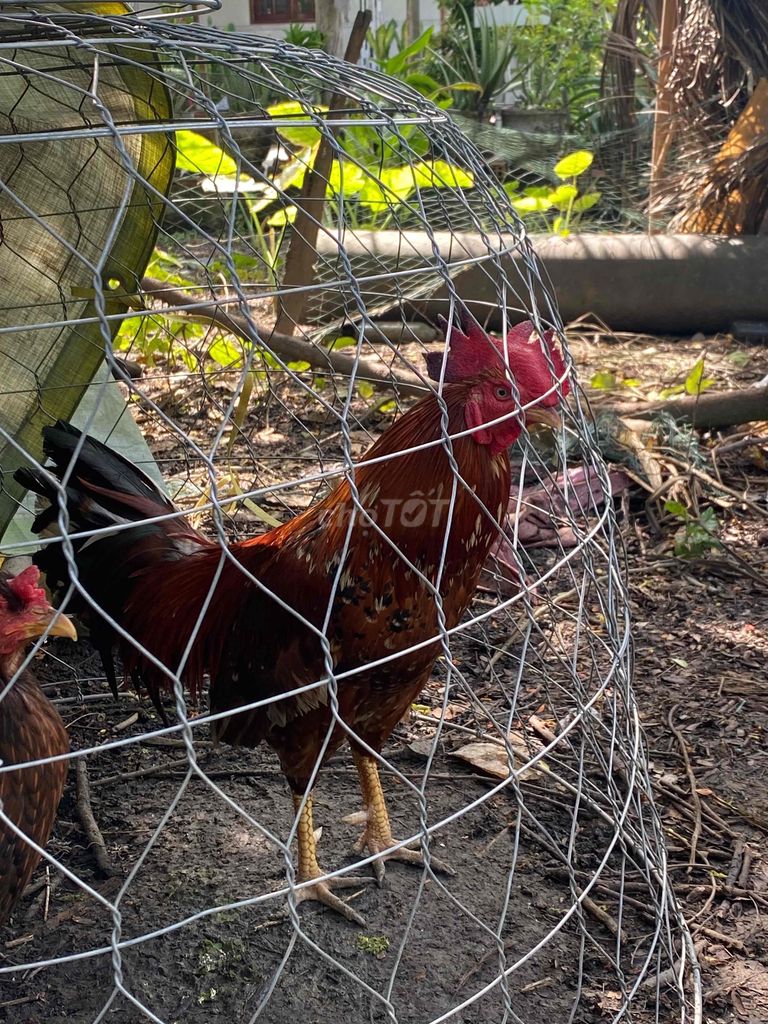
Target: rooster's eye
[502,393]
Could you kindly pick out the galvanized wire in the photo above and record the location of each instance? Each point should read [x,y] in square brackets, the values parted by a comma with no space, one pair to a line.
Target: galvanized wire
[576,831]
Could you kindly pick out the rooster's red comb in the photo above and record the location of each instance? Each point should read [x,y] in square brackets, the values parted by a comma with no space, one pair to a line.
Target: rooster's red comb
[24,586]
[472,351]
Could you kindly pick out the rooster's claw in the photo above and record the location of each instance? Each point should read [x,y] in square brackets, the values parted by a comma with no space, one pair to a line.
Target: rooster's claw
[322,892]
[403,853]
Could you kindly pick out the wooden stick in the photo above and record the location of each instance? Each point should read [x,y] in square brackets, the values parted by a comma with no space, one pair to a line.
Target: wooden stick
[709,410]
[662,120]
[299,263]
[696,800]
[289,348]
[88,821]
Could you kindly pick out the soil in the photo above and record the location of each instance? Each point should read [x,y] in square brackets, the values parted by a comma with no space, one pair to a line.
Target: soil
[700,637]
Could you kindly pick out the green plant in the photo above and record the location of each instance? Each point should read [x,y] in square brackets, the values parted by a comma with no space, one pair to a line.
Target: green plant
[695,382]
[409,63]
[558,208]
[375,945]
[482,55]
[377,175]
[303,35]
[698,533]
[560,47]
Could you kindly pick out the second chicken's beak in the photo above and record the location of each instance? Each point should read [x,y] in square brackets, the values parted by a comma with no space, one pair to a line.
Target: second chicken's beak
[548,417]
[42,621]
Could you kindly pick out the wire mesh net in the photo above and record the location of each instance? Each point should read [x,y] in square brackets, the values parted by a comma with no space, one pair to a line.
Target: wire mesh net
[520,762]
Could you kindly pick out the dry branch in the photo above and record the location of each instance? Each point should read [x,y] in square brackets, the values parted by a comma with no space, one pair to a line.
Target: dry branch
[88,821]
[719,409]
[182,303]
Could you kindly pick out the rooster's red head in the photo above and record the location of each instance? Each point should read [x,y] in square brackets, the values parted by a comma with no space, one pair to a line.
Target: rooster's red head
[26,614]
[487,364]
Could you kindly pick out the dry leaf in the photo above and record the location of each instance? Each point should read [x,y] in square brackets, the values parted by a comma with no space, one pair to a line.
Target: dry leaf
[422,747]
[490,756]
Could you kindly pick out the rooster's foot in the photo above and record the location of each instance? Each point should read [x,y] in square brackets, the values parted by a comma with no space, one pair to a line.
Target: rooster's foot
[382,846]
[322,892]
[377,835]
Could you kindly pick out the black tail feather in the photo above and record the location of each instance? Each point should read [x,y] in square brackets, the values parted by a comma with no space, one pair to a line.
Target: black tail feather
[103,490]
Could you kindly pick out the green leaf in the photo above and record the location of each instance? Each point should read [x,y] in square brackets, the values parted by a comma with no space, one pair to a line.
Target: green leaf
[537,191]
[631,382]
[299,366]
[389,406]
[394,185]
[586,202]
[510,187]
[676,389]
[562,196]
[676,508]
[696,382]
[441,174]
[574,164]
[395,64]
[603,380]
[342,341]
[531,204]
[303,133]
[197,154]
[188,358]
[282,217]
[226,353]
[346,179]
[364,389]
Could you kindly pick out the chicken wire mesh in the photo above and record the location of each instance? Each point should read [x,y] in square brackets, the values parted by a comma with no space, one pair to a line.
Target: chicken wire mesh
[265,379]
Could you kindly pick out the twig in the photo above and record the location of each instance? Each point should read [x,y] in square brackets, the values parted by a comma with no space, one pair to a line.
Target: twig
[733,871]
[47,900]
[692,782]
[749,856]
[88,821]
[533,985]
[170,741]
[20,940]
[676,792]
[671,974]
[541,729]
[707,903]
[192,308]
[712,933]
[21,1000]
[140,773]
[127,722]
[603,917]
[713,482]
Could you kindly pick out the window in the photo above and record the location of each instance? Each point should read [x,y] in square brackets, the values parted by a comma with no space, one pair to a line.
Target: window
[283,11]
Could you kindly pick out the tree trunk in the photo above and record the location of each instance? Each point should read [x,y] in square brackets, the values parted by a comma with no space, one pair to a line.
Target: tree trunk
[334,18]
[412,20]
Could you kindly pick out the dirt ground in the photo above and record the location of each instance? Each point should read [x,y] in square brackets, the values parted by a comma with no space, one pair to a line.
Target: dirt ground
[700,638]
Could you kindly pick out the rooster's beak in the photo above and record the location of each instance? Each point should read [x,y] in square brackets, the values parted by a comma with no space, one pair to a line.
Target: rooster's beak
[42,622]
[548,417]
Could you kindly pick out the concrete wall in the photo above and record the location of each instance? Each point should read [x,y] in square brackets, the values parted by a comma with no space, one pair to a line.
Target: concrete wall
[236,13]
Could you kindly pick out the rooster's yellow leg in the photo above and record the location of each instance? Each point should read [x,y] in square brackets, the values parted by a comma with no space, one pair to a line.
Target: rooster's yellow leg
[377,837]
[309,869]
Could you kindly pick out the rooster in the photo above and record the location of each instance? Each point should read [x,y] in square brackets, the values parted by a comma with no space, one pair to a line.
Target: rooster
[30,729]
[372,575]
